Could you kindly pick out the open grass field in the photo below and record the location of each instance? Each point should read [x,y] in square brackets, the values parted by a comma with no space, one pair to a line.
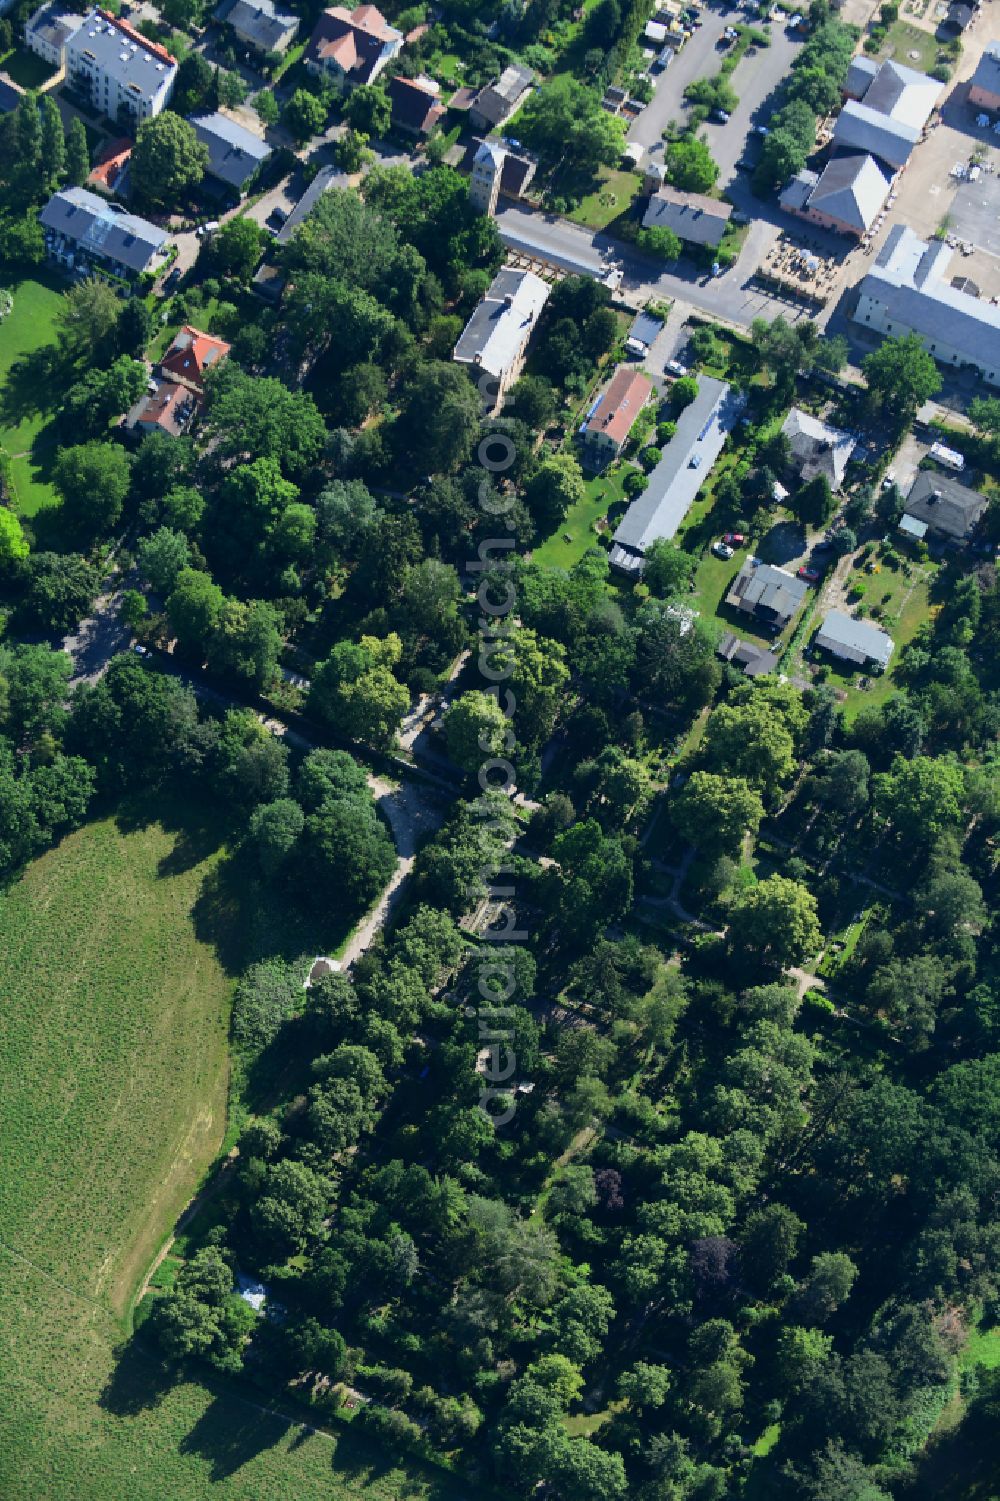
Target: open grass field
[116,972]
[576,532]
[26,408]
[611,198]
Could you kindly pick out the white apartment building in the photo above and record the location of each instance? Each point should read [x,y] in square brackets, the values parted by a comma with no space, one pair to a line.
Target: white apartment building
[125,76]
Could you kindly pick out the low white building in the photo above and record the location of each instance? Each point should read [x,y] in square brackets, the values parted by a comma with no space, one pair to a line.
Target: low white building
[907,292]
[495,340]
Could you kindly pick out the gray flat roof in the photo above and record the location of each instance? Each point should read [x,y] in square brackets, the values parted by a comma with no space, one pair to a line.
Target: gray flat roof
[123,54]
[702,429]
[840,630]
[103,228]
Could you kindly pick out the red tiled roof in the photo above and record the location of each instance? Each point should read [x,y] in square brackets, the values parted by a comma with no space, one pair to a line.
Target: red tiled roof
[191,354]
[111,162]
[169,407]
[621,404]
[415,103]
[353,39]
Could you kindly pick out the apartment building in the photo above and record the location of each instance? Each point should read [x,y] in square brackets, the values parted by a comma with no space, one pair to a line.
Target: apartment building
[122,74]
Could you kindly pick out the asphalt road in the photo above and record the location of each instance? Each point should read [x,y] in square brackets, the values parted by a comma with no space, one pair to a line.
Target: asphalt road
[730,297]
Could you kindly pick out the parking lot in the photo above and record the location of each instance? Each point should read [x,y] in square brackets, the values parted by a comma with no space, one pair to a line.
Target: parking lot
[975,213]
[755,79]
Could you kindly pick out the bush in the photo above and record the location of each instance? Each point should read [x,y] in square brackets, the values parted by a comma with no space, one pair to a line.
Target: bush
[635,483]
[649,458]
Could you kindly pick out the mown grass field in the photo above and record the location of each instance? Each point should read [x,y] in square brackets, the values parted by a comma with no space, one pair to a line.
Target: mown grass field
[26,408]
[113,1074]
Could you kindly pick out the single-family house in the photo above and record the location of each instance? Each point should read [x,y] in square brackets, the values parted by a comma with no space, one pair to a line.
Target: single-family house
[693,217]
[47,31]
[702,430]
[110,171]
[496,102]
[494,342]
[191,355]
[816,448]
[857,641]
[85,232]
[175,392]
[947,509]
[847,196]
[755,660]
[984,85]
[613,415]
[769,594]
[416,104]
[259,24]
[349,47]
[166,407]
[907,291]
[235,154]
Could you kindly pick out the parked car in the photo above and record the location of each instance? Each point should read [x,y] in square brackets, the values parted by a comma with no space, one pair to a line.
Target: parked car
[172,280]
[722,550]
[674,367]
[811,575]
[736,539]
[720,116]
[694,462]
[761,130]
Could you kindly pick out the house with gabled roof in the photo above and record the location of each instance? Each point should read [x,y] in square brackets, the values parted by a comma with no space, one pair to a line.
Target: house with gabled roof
[349,47]
[235,154]
[856,641]
[416,104]
[259,24]
[83,231]
[613,415]
[886,110]
[770,594]
[907,292]
[693,217]
[816,448]
[847,196]
[191,355]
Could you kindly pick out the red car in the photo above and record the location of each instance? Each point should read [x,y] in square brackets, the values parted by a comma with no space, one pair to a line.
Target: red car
[811,575]
[735,539]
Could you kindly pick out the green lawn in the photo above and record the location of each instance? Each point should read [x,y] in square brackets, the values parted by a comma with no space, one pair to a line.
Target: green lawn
[903,614]
[26,68]
[576,533]
[903,38]
[610,199]
[27,407]
[117,955]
